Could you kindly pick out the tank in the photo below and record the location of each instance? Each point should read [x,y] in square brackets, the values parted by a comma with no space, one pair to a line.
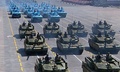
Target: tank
[51,29]
[102,42]
[66,43]
[51,64]
[53,17]
[35,44]
[25,8]
[53,7]
[77,29]
[101,63]
[61,12]
[29,12]
[101,27]
[36,17]
[45,12]
[12,7]
[26,30]
[16,13]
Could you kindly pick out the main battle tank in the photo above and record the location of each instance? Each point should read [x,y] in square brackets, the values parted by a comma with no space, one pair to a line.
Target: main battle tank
[103,42]
[35,44]
[61,12]
[26,30]
[102,27]
[36,16]
[12,7]
[45,12]
[101,63]
[29,12]
[77,29]
[51,29]
[16,13]
[50,64]
[66,43]
[53,17]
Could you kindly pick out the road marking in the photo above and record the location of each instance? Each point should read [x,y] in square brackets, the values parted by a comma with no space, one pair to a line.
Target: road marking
[15,44]
[10,36]
[18,21]
[77,58]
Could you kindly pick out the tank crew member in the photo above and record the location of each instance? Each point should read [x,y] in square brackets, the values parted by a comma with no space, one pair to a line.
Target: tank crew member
[65,34]
[98,57]
[38,35]
[26,39]
[57,58]
[23,24]
[100,22]
[79,23]
[108,57]
[30,25]
[58,9]
[105,23]
[47,58]
[74,23]
[54,24]
[49,23]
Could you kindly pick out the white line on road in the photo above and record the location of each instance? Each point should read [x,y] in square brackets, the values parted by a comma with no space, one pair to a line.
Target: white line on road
[9,36]
[77,58]
[18,21]
[40,25]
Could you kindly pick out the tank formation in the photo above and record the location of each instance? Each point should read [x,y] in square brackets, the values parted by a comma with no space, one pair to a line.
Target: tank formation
[39,11]
[69,41]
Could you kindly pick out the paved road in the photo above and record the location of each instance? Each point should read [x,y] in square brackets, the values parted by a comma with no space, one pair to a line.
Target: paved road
[12,55]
